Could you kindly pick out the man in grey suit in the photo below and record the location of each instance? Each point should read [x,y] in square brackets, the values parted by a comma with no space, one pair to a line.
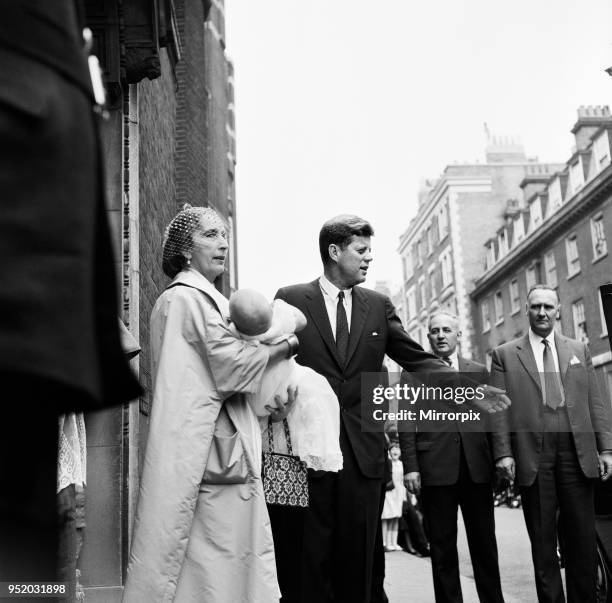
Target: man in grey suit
[453,467]
[557,435]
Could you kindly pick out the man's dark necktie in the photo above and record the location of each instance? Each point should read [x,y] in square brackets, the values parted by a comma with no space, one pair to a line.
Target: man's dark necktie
[552,388]
[342,332]
[448,361]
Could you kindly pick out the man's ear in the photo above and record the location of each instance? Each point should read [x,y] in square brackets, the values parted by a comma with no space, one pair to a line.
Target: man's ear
[458,335]
[333,251]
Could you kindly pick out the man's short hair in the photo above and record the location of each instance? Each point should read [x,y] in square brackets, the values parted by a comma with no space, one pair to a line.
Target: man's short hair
[442,313]
[339,231]
[542,286]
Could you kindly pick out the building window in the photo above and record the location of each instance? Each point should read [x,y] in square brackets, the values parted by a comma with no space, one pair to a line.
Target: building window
[408,271]
[415,256]
[573,259]
[435,230]
[499,307]
[486,319]
[576,176]
[446,268]
[432,282]
[535,213]
[580,327]
[550,266]
[555,196]
[602,316]
[515,299]
[419,252]
[598,236]
[502,243]
[490,261]
[442,221]
[531,278]
[422,291]
[601,151]
[450,305]
[411,305]
[430,240]
[519,229]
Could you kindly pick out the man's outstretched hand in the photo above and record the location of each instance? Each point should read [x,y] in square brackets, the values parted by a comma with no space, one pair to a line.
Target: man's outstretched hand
[495,400]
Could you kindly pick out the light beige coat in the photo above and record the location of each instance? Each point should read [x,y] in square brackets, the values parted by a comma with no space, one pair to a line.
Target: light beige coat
[200,542]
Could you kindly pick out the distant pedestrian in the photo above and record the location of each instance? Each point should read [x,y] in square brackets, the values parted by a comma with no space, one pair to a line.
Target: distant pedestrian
[394,499]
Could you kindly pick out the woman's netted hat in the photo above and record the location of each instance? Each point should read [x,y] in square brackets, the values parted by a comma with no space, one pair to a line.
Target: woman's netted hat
[178,236]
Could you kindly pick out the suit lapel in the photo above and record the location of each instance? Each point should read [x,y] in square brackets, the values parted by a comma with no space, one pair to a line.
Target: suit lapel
[359,312]
[563,354]
[525,355]
[318,313]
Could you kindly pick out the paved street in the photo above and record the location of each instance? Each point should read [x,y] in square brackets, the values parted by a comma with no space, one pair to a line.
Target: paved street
[409,577]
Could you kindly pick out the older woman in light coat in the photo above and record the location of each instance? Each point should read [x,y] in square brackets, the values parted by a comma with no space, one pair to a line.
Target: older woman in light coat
[202,531]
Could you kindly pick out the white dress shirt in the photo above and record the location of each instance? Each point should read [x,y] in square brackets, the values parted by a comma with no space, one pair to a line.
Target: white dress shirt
[330,297]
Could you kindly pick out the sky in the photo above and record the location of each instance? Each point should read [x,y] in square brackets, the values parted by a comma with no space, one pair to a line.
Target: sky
[346,106]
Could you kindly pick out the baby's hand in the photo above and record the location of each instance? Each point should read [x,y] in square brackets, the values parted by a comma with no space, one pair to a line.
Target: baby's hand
[283,407]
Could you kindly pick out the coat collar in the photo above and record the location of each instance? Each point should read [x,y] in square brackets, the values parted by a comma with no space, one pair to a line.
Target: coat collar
[463,363]
[563,354]
[358,316]
[192,278]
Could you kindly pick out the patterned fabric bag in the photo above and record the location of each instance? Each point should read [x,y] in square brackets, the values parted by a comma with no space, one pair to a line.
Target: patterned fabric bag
[284,476]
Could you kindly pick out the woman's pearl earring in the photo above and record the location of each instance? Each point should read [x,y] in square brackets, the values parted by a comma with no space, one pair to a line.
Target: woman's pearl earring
[188,261]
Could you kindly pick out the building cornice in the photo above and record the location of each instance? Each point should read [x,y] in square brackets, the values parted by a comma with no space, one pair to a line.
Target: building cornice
[550,228]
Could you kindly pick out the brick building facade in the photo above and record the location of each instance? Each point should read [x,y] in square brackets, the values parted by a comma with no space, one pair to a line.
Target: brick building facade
[441,250]
[558,233]
[169,140]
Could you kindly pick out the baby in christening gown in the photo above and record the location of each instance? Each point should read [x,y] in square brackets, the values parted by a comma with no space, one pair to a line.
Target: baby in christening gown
[314,420]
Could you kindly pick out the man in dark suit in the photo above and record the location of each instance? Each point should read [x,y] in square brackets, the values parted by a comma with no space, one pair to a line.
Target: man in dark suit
[59,338]
[558,432]
[349,331]
[451,464]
